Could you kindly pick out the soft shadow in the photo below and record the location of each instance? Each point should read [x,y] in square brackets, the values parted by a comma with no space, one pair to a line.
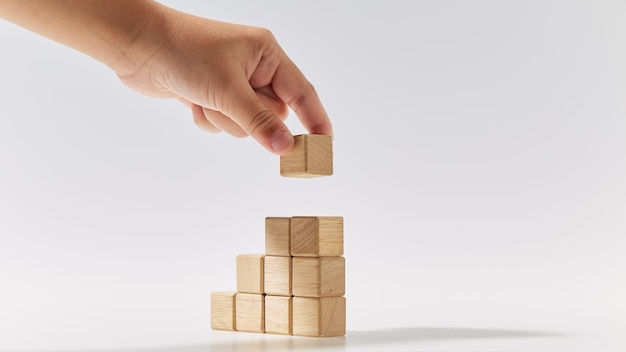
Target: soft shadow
[360,338]
[426,334]
[236,341]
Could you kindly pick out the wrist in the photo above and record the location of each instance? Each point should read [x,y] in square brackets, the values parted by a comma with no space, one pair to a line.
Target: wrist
[148,31]
[119,33]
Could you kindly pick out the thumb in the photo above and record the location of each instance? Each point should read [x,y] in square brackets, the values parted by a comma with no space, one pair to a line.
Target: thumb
[260,122]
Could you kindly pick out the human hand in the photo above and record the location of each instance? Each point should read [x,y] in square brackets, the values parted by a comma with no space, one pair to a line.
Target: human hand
[235,78]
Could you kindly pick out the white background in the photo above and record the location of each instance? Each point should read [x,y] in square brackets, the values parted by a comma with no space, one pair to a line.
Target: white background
[479,165]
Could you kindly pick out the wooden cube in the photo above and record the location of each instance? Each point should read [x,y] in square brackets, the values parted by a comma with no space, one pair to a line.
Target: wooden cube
[250,312]
[311,156]
[313,236]
[277,236]
[278,314]
[277,276]
[250,273]
[318,277]
[223,311]
[319,316]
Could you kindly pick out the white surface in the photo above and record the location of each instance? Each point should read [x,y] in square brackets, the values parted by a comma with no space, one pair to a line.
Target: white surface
[480,167]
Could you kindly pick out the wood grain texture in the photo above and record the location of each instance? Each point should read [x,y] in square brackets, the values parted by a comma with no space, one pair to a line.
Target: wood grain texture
[313,236]
[278,236]
[319,316]
[250,312]
[318,277]
[250,273]
[311,156]
[278,314]
[277,275]
[223,311]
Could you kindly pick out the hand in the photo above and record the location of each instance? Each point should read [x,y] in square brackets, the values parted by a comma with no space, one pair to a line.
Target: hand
[235,79]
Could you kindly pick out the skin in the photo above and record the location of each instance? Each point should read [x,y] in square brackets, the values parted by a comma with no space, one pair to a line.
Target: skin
[234,78]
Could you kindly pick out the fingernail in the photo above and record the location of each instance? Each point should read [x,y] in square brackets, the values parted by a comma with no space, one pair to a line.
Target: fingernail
[282,141]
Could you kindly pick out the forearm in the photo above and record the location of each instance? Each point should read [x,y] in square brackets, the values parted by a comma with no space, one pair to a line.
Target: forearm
[118,33]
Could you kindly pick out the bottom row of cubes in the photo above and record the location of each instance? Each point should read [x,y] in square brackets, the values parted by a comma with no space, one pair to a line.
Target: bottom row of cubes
[302,316]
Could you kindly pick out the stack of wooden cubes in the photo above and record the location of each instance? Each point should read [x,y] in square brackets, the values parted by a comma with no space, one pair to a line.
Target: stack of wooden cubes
[296,288]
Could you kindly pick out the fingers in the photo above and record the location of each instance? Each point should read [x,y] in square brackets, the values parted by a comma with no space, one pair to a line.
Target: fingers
[272,101]
[214,121]
[253,99]
[201,121]
[246,108]
[224,123]
[292,87]
[260,112]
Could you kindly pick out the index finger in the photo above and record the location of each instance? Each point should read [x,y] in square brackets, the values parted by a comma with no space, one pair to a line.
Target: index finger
[293,88]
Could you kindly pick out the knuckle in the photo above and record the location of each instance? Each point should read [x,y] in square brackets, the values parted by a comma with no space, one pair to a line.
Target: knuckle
[198,116]
[262,37]
[263,33]
[298,100]
[201,122]
[260,122]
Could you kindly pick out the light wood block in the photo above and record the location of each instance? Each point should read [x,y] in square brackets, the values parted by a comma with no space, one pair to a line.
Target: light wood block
[250,273]
[318,277]
[277,276]
[319,316]
[223,311]
[313,236]
[311,156]
[278,314]
[278,236]
[250,312]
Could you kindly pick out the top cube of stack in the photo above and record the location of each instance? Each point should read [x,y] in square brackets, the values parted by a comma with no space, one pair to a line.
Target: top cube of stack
[316,236]
[304,236]
[311,156]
